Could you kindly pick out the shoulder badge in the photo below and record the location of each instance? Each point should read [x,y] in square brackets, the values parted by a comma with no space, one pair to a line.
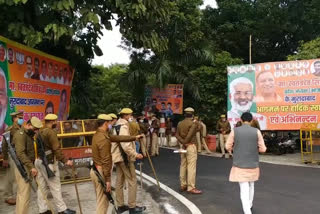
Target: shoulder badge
[21,132]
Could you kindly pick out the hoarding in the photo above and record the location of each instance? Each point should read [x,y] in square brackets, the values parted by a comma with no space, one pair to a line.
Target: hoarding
[280,95]
[168,101]
[32,82]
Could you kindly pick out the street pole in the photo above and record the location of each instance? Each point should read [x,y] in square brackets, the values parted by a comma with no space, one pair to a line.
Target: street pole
[250,45]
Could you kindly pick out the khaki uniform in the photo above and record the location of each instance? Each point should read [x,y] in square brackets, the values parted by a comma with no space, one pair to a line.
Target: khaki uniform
[154,136]
[25,153]
[223,129]
[168,132]
[203,134]
[54,154]
[186,135]
[143,140]
[102,158]
[148,137]
[10,180]
[125,173]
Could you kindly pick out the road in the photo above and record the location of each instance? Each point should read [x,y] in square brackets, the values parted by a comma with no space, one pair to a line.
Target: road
[281,189]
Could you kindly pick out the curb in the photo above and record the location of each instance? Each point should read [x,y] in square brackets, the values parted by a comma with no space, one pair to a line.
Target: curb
[191,206]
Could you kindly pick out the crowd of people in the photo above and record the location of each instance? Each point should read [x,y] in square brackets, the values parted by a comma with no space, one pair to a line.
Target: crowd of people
[120,142]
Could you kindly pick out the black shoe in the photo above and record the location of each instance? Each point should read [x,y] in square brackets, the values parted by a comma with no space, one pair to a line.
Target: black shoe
[223,156]
[67,211]
[123,209]
[137,210]
[47,212]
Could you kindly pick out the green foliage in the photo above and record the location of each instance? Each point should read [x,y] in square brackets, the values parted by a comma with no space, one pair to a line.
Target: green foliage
[276,26]
[307,50]
[106,93]
[212,86]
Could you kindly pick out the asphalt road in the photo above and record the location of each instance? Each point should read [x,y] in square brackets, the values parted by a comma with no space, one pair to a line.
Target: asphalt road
[280,190]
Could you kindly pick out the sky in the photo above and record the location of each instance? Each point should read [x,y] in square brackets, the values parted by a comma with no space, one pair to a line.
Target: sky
[110,41]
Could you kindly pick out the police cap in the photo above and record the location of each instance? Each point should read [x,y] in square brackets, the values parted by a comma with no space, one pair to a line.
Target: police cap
[114,116]
[126,111]
[36,122]
[51,117]
[17,113]
[189,110]
[104,117]
[223,116]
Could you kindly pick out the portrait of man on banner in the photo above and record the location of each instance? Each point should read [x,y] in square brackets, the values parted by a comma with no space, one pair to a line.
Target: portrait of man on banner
[241,96]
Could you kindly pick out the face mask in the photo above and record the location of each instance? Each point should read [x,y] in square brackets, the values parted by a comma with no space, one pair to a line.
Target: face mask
[54,126]
[20,121]
[109,126]
[141,121]
[130,119]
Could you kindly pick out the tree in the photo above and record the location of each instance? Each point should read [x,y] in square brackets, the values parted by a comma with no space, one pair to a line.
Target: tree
[276,26]
[212,82]
[187,49]
[106,92]
[70,29]
[307,50]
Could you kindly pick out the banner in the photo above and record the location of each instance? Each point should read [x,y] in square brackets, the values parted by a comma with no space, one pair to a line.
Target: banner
[168,101]
[280,95]
[32,82]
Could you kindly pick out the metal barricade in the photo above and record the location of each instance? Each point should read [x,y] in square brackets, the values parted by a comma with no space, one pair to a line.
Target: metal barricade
[310,143]
[76,138]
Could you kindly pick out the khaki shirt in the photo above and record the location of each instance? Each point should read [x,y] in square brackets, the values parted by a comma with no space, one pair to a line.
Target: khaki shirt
[155,125]
[224,126]
[186,131]
[51,142]
[134,128]
[129,148]
[101,150]
[13,129]
[24,148]
[143,128]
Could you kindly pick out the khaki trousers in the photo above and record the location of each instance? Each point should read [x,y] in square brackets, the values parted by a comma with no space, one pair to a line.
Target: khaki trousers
[155,144]
[54,185]
[23,194]
[223,140]
[10,185]
[148,141]
[198,137]
[204,144]
[168,136]
[128,174]
[102,202]
[143,145]
[188,167]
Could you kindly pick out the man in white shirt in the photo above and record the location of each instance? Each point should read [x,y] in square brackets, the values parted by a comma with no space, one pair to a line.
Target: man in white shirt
[29,71]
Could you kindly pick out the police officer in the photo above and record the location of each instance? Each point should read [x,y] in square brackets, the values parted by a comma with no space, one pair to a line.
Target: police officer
[53,154]
[114,118]
[186,135]
[143,140]
[223,128]
[10,181]
[23,140]
[155,126]
[126,169]
[101,155]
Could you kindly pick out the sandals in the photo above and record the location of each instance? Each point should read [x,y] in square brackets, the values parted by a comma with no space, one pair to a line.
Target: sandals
[195,191]
[183,188]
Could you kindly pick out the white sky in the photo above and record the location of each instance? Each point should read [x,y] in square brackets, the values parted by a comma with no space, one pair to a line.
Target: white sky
[111,40]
